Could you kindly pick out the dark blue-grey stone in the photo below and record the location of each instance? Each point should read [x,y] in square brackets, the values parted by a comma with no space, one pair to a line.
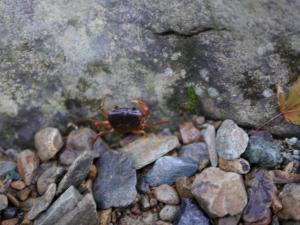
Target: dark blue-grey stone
[190,214]
[195,151]
[263,152]
[6,167]
[116,180]
[168,168]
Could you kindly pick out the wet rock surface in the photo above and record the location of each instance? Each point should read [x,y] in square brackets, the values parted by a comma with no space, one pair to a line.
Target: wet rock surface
[147,150]
[263,152]
[168,168]
[119,190]
[219,193]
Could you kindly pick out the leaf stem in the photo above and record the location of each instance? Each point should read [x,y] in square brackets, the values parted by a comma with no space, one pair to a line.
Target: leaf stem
[268,121]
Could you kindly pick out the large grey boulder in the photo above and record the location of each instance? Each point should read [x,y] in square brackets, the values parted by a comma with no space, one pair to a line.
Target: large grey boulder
[222,58]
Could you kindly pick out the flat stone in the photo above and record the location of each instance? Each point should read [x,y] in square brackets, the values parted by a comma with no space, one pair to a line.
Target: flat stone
[42,203]
[209,136]
[195,151]
[77,172]
[48,142]
[6,167]
[166,194]
[27,162]
[81,140]
[263,152]
[51,175]
[231,140]
[290,199]
[169,212]
[260,191]
[119,190]
[190,214]
[64,204]
[168,168]
[240,166]
[83,214]
[189,133]
[184,187]
[3,202]
[228,220]
[219,193]
[146,150]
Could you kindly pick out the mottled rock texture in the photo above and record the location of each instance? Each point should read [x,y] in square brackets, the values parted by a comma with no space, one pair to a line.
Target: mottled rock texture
[225,57]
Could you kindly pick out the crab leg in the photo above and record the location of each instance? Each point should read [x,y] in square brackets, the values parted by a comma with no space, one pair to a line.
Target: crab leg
[102,133]
[94,123]
[141,132]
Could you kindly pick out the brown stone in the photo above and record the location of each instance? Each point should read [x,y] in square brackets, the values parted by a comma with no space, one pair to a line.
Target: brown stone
[290,199]
[18,185]
[189,133]
[92,172]
[183,187]
[219,193]
[283,177]
[27,162]
[104,216]
[240,166]
[166,194]
[13,200]
[24,194]
[13,221]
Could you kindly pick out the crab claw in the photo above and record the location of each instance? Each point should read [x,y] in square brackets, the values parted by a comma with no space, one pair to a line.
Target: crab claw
[142,105]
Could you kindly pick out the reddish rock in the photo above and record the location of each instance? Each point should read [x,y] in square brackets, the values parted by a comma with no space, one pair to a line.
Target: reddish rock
[24,194]
[13,221]
[27,162]
[189,133]
[219,193]
[104,216]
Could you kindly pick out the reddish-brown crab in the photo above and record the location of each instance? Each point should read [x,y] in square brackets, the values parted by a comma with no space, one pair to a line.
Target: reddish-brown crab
[123,120]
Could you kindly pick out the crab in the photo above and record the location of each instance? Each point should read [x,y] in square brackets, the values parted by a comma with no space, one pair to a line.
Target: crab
[122,120]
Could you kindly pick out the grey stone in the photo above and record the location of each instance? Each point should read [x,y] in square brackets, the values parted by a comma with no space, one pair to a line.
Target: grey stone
[116,180]
[146,150]
[42,203]
[83,214]
[190,214]
[231,140]
[166,194]
[209,136]
[263,152]
[3,202]
[81,140]
[51,175]
[70,208]
[64,204]
[168,168]
[260,191]
[6,167]
[227,55]
[195,151]
[77,172]
[169,212]
[48,142]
